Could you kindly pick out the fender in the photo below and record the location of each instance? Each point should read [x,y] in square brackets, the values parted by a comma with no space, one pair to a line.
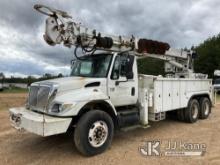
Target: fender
[199,94]
[82,97]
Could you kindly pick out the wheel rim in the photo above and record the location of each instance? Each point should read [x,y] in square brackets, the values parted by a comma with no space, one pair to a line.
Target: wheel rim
[206,111]
[195,111]
[98,133]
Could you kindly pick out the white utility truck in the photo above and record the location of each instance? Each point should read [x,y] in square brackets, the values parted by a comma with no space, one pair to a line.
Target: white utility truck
[105,92]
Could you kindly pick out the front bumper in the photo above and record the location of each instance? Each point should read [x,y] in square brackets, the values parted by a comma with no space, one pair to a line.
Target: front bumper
[40,124]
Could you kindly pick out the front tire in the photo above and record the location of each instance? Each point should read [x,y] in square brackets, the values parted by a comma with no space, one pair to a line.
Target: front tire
[93,133]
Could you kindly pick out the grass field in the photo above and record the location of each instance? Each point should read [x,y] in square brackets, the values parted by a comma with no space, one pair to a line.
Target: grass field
[14,90]
[9,99]
[12,97]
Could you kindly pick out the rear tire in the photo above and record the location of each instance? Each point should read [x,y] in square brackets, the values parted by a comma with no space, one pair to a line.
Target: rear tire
[180,115]
[192,111]
[93,133]
[205,108]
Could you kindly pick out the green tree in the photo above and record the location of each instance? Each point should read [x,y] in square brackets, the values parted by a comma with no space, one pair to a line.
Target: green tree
[150,66]
[208,58]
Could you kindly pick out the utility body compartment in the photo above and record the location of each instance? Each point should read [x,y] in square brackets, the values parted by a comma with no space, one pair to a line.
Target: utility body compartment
[166,94]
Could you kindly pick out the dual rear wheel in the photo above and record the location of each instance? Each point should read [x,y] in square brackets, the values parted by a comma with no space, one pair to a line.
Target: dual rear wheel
[197,109]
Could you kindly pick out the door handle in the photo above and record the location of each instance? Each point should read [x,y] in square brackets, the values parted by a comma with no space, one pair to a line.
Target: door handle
[132,91]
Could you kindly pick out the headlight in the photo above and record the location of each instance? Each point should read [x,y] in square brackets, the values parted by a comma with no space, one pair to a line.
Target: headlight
[57,107]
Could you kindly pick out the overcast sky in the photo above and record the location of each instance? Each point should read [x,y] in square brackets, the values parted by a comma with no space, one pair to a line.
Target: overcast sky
[182,23]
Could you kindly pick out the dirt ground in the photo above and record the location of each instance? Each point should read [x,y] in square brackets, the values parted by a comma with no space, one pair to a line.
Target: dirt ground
[26,148]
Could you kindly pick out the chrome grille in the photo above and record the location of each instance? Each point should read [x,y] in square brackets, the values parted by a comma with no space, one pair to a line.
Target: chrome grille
[38,97]
[33,95]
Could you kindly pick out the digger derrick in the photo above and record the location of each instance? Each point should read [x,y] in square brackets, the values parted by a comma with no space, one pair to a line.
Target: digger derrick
[60,28]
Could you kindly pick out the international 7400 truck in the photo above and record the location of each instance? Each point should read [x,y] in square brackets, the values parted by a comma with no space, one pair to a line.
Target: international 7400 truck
[104,91]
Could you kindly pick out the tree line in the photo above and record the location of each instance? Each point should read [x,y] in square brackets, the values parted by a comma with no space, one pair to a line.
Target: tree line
[28,80]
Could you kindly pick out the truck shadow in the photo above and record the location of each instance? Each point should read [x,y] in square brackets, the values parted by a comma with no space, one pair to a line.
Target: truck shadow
[62,145]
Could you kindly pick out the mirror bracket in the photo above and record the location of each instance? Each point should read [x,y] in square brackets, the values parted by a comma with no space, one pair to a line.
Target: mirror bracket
[118,82]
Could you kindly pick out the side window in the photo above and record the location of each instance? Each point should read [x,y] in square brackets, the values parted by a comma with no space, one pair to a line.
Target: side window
[116,69]
[123,66]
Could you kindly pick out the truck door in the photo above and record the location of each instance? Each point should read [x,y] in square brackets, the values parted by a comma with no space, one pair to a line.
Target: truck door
[122,80]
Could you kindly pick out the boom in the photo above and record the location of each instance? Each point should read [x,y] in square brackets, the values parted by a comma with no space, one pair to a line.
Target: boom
[61,28]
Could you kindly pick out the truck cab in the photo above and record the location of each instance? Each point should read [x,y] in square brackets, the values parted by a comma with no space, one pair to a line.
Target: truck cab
[100,81]
[115,75]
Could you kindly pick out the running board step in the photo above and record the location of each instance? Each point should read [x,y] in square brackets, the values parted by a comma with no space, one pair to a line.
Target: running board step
[128,118]
[125,129]
[128,112]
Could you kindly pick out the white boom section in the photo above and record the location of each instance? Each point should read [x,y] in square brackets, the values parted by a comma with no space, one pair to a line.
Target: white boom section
[61,28]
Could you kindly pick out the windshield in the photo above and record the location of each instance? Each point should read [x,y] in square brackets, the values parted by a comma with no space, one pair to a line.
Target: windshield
[92,66]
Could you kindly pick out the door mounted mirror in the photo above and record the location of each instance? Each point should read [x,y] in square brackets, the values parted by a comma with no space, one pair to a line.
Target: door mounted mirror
[130,75]
[121,79]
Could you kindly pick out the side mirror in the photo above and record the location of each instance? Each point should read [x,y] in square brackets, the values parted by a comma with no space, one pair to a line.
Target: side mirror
[129,75]
[127,67]
[115,75]
[121,79]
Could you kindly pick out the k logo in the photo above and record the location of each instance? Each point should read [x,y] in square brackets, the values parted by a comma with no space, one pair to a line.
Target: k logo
[151,148]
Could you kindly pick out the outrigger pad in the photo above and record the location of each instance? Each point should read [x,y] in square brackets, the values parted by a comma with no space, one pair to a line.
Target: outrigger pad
[152,47]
